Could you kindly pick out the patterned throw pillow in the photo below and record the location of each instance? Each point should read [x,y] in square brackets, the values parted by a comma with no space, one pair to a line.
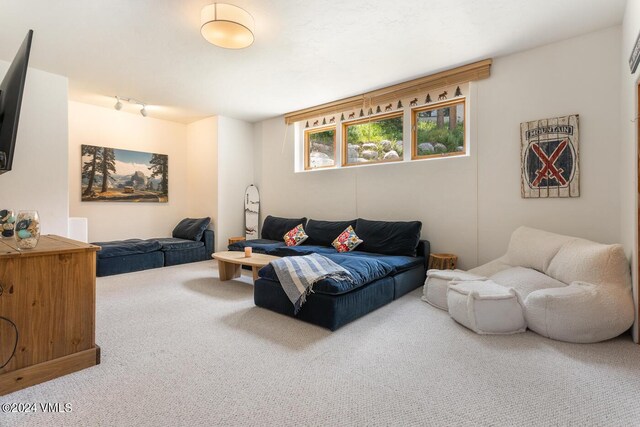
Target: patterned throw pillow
[347,240]
[295,236]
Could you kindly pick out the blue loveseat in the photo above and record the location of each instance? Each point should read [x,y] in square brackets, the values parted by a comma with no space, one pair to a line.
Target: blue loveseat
[391,261]
[191,242]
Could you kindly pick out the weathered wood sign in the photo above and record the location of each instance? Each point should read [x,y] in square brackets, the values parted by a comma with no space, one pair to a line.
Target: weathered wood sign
[550,158]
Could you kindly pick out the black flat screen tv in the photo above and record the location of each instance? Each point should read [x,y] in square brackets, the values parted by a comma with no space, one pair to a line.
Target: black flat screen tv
[11,90]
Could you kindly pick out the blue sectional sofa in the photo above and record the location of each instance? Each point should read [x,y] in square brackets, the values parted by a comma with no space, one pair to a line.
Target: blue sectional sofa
[391,261]
[191,242]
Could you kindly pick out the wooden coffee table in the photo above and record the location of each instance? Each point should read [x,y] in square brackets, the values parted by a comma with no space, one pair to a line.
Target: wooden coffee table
[230,263]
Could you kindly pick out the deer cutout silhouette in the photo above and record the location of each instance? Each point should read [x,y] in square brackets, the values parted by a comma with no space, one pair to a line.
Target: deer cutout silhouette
[442,96]
[316,123]
[332,120]
[413,102]
[352,115]
[388,107]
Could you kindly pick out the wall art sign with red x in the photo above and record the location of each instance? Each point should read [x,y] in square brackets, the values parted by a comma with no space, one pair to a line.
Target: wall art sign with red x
[550,158]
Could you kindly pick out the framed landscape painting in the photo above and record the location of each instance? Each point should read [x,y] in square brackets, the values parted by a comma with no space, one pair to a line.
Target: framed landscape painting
[114,175]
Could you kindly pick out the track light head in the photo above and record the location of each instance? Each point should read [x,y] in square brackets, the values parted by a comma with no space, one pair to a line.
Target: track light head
[118,106]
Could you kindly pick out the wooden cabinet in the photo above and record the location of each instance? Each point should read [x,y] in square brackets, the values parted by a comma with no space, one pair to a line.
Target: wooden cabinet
[49,294]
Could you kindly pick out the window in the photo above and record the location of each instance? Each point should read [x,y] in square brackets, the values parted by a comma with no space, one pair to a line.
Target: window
[320,148]
[439,130]
[372,140]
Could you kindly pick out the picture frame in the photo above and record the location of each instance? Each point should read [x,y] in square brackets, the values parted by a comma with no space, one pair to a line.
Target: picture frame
[634,58]
[131,176]
[550,158]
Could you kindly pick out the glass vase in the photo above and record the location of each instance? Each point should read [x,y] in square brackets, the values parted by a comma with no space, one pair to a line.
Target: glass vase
[7,222]
[27,229]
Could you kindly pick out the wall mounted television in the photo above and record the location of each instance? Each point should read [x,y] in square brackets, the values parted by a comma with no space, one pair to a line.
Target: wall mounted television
[11,90]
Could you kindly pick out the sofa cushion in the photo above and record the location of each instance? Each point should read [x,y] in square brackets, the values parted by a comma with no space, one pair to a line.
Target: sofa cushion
[591,262]
[191,228]
[532,248]
[437,283]
[259,246]
[273,227]
[398,262]
[322,233]
[173,244]
[525,280]
[363,269]
[301,250]
[119,248]
[391,238]
[296,236]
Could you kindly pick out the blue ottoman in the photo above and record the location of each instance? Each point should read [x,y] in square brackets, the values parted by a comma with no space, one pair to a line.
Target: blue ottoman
[126,256]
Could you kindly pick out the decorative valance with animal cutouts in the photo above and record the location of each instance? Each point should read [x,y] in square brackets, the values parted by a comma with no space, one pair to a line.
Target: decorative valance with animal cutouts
[441,86]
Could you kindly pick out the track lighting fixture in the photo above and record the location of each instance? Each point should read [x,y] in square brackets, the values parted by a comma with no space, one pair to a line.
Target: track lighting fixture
[143,106]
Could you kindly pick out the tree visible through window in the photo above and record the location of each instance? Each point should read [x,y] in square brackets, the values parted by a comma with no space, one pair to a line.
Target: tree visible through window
[320,148]
[439,131]
[373,140]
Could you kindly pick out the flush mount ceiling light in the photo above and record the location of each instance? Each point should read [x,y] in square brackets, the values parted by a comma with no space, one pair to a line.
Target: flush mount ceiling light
[118,106]
[227,26]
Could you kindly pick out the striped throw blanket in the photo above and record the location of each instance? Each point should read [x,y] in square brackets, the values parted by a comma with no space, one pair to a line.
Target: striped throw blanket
[297,275]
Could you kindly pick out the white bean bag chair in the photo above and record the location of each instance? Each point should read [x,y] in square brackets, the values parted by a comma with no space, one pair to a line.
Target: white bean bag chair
[568,289]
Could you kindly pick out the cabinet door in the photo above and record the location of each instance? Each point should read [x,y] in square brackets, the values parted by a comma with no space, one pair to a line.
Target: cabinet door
[9,309]
[51,299]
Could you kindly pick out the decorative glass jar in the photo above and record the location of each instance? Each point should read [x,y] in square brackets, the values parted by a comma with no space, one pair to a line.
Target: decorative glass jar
[7,222]
[27,229]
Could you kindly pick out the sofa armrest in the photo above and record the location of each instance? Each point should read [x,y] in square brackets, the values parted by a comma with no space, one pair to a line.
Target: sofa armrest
[424,250]
[209,240]
[581,312]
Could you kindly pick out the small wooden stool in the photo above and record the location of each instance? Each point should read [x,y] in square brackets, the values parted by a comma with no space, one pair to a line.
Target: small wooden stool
[443,261]
[233,240]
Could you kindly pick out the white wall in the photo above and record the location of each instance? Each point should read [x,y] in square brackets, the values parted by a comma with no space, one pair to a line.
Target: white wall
[235,174]
[220,158]
[628,153]
[107,127]
[40,172]
[202,149]
[576,76]
[470,205]
[425,190]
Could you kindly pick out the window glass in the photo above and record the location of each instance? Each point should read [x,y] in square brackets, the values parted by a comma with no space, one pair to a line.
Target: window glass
[374,140]
[320,148]
[439,131]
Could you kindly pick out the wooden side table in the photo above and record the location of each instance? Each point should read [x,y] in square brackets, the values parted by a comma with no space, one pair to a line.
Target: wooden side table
[233,240]
[443,261]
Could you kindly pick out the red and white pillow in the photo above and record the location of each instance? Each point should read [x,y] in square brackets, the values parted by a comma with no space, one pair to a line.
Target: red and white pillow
[347,241]
[295,236]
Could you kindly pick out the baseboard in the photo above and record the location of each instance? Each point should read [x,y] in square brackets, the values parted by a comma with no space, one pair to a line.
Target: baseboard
[36,374]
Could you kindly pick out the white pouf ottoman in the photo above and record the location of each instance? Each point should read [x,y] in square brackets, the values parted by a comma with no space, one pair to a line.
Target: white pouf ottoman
[485,307]
[435,287]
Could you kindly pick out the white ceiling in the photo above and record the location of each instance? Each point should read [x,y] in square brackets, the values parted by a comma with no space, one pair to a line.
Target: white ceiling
[305,53]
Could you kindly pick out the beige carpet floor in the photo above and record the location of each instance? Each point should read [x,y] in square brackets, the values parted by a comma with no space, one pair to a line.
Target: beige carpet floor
[181,348]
